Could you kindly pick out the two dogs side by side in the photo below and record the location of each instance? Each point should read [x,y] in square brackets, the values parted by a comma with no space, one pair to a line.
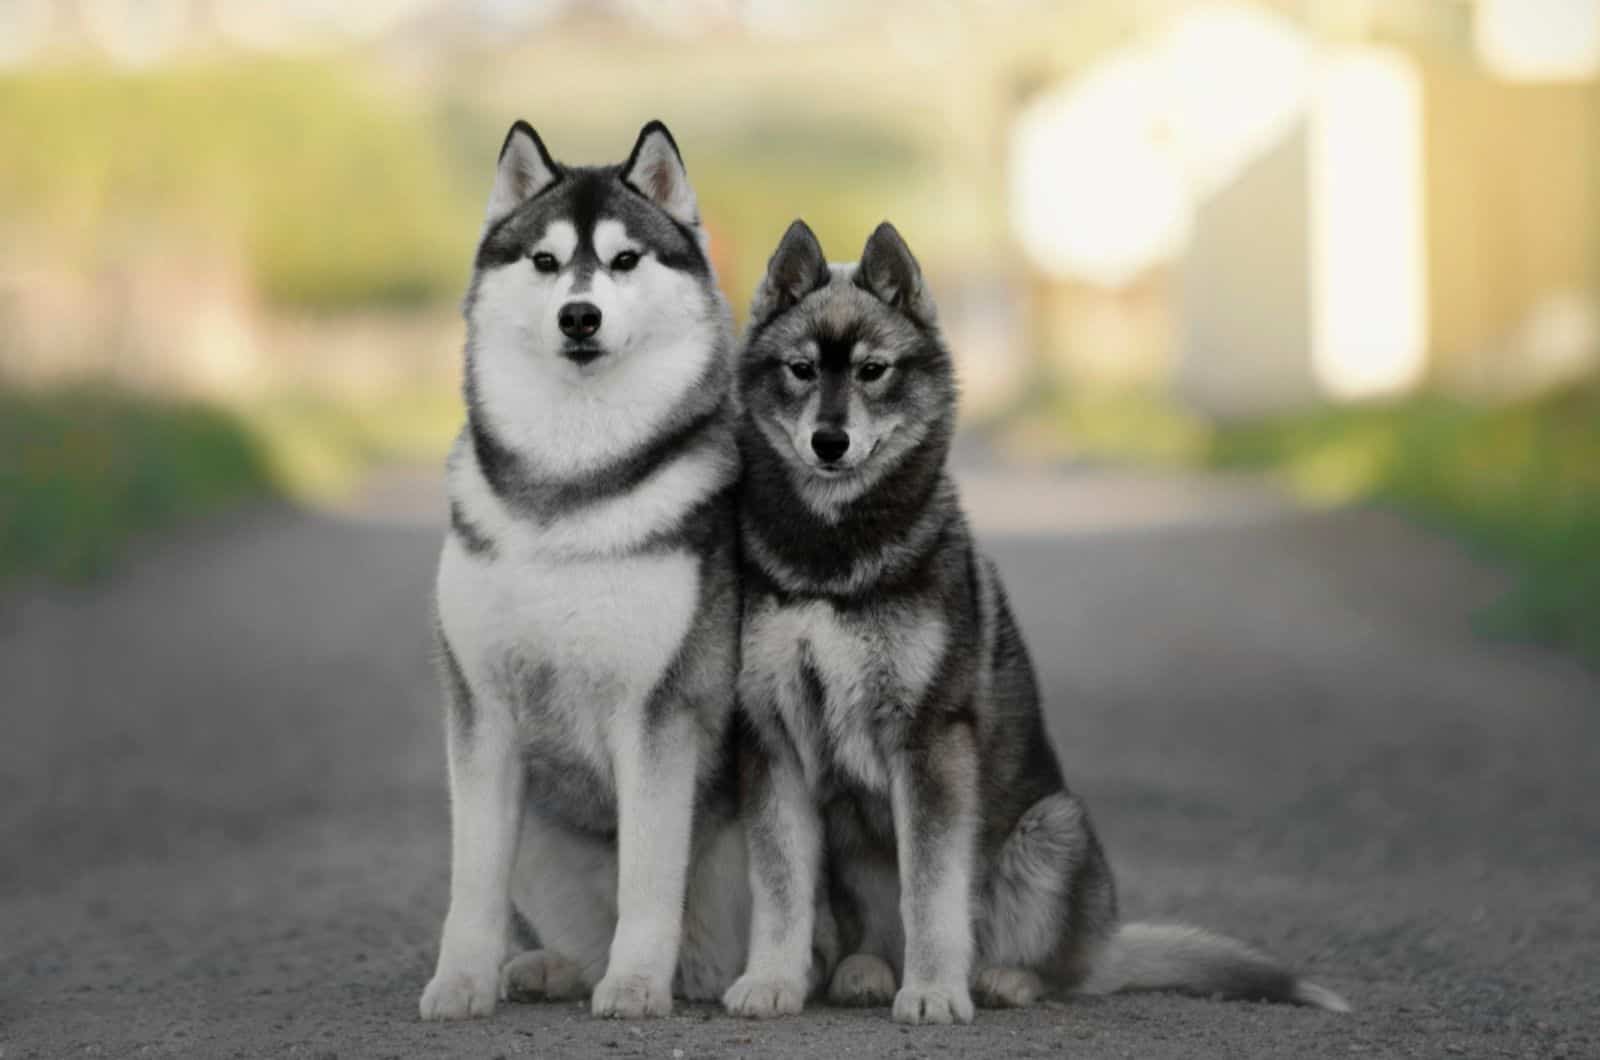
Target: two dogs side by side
[735,707]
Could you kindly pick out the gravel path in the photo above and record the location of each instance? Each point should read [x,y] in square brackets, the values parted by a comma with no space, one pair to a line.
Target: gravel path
[222,815]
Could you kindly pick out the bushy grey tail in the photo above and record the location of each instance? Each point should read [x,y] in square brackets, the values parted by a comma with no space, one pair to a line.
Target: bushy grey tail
[1193,961]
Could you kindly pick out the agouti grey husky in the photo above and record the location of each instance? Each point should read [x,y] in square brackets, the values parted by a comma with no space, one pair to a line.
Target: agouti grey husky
[899,755]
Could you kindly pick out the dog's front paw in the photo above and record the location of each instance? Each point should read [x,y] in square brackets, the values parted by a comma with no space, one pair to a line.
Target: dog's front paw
[862,979]
[932,1003]
[759,998]
[631,997]
[460,995]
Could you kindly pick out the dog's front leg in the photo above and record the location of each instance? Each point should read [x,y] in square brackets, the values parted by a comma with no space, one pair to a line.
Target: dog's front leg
[486,789]
[784,837]
[933,792]
[655,763]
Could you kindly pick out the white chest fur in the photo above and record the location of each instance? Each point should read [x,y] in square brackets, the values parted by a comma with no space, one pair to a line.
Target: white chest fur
[598,631]
[866,668]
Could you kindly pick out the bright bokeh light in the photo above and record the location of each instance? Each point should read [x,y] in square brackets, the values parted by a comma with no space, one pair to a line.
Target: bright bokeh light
[1539,40]
[1368,285]
[136,34]
[1106,171]
[1235,79]
[1095,195]
[1110,171]
[24,27]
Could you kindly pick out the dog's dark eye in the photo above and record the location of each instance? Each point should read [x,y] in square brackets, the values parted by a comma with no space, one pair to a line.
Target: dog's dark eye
[625,261]
[803,370]
[871,371]
[545,262]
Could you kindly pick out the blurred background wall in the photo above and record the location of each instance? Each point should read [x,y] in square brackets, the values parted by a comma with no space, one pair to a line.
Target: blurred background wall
[187,177]
[1258,204]
[1145,220]
[1357,202]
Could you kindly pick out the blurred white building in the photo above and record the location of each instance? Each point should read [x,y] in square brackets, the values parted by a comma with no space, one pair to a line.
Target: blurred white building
[1309,199]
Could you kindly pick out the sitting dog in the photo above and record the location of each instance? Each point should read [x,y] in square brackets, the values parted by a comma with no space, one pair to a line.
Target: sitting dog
[587,597]
[898,746]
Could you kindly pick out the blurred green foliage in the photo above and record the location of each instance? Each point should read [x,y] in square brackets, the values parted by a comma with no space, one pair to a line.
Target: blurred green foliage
[336,193]
[82,470]
[1094,423]
[755,175]
[333,195]
[317,446]
[1519,482]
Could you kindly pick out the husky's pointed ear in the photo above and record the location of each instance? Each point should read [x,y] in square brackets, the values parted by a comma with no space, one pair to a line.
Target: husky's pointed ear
[525,169]
[655,170]
[797,268]
[889,273]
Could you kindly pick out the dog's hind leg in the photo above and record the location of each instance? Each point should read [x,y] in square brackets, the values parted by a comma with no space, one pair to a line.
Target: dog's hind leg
[541,975]
[869,886]
[716,915]
[1047,909]
[565,884]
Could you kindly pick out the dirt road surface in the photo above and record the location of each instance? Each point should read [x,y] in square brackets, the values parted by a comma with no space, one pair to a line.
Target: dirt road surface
[223,823]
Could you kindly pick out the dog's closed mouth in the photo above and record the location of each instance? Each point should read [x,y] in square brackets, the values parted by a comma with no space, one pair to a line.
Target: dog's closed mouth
[583,354]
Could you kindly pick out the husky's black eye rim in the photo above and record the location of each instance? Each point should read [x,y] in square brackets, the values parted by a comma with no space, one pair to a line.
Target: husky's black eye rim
[545,262]
[871,371]
[804,371]
[625,261]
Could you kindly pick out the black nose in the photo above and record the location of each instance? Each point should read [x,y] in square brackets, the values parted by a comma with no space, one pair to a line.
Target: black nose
[579,320]
[830,443]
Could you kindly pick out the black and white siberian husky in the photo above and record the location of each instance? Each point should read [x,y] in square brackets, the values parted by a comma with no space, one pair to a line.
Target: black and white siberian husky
[587,598]
[900,758]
